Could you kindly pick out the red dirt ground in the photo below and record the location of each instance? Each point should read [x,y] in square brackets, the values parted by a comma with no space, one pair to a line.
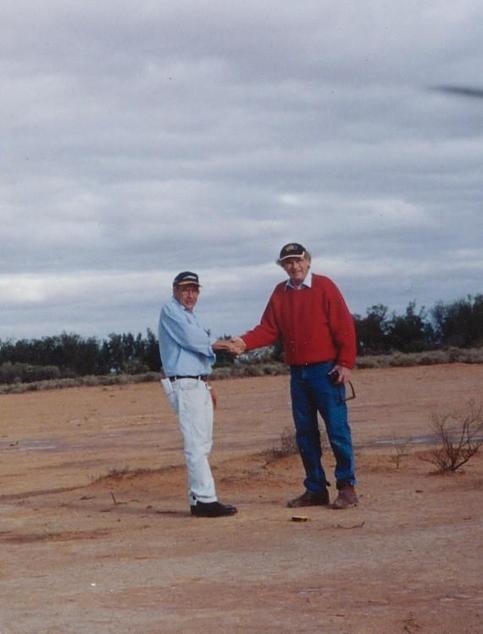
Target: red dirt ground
[95,534]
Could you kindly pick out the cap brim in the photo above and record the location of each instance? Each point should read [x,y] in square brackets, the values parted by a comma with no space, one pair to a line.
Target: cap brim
[294,255]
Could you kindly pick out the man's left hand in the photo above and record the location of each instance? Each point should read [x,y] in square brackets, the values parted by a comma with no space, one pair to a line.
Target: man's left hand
[344,373]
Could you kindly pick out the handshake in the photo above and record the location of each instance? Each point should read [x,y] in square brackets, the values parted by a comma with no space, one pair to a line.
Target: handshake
[234,345]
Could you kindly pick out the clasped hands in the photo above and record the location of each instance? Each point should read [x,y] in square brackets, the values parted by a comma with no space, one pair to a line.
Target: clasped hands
[234,345]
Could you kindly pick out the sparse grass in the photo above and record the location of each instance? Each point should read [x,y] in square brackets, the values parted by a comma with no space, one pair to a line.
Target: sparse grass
[242,369]
[81,381]
[118,474]
[124,473]
[460,435]
[429,357]
[401,450]
[287,445]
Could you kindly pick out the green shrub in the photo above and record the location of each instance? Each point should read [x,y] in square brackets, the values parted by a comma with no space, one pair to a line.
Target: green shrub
[27,373]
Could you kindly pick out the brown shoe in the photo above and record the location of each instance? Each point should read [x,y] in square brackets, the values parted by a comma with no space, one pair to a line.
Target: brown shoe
[346,497]
[309,498]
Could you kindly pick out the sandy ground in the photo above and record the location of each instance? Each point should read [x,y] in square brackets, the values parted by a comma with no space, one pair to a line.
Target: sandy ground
[95,535]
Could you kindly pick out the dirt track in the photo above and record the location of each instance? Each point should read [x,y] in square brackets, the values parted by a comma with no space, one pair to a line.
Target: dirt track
[95,536]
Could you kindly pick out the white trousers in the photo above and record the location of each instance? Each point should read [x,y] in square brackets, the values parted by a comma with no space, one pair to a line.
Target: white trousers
[191,400]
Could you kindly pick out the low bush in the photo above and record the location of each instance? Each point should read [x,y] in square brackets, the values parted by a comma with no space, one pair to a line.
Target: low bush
[460,436]
[81,381]
[17,378]
[428,357]
[26,373]
[287,445]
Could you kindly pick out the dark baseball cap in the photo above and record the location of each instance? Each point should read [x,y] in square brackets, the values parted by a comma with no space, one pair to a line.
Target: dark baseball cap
[186,277]
[292,250]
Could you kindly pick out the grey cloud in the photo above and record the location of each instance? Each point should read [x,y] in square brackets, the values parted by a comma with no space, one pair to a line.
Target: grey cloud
[136,143]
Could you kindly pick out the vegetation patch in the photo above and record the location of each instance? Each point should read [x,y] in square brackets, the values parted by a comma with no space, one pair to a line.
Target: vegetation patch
[459,435]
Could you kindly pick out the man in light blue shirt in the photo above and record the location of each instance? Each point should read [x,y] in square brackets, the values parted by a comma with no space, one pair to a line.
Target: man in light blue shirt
[187,355]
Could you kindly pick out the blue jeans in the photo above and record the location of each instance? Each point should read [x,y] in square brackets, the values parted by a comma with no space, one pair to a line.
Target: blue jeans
[312,392]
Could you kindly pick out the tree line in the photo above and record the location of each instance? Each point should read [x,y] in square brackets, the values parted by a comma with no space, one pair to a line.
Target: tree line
[70,355]
[458,324]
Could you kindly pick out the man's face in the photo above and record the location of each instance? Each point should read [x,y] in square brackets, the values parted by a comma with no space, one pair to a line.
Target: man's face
[187,295]
[297,269]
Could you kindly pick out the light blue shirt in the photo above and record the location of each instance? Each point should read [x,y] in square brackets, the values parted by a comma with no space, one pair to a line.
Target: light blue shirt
[184,345]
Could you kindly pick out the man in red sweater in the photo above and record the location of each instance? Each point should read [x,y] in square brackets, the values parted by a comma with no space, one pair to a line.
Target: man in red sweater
[308,314]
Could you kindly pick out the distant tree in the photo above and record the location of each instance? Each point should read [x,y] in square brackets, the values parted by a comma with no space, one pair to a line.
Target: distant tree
[371,330]
[128,346]
[459,323]
[410,332]
[151,352]
[116,352]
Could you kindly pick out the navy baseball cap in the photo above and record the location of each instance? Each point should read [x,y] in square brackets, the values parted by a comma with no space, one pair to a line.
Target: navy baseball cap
[291,250]
[186,277]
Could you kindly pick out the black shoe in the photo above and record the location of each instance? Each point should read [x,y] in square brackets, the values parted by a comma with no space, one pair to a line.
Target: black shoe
[212,509]
[310,498]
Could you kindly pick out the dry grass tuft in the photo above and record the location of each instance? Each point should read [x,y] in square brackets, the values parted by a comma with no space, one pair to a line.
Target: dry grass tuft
[401,450]
[287,445]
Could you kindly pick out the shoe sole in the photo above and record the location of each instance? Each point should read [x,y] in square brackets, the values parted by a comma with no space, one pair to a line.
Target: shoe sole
[297,506]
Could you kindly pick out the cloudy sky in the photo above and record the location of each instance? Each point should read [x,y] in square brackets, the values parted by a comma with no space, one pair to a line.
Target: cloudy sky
[141,139]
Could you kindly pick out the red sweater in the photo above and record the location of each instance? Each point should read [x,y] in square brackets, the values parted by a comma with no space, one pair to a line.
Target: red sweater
[314,324]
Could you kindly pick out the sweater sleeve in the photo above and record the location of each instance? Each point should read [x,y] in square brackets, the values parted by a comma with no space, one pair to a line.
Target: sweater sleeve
[267,331]
[341,325]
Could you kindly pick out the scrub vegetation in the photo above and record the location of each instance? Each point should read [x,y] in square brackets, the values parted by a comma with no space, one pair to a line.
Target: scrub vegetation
[459,435]
[448,333]
[286,446]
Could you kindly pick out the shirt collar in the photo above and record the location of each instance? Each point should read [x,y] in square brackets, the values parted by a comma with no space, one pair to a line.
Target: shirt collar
[180,305]
[307,283]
